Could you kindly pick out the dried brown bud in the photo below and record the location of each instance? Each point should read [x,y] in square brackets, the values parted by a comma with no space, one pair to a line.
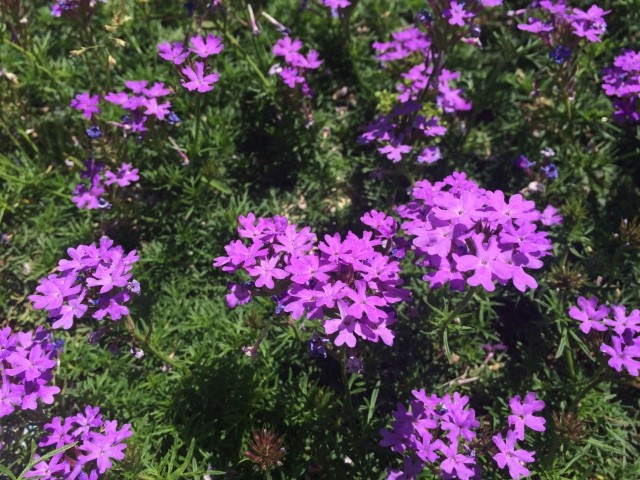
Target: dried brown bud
[265,449]
[568,426]
[630,232]
[566,278]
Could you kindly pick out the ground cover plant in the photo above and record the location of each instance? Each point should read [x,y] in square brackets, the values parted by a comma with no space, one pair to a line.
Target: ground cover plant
[319,239]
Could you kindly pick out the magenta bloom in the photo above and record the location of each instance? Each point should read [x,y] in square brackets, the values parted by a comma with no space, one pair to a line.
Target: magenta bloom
[27,360]
[456,14]
[125,176]
[198,80]
[95,280]
[86,103]
[266,271]
[590,314]
[623,355]
[100,440]
[289,49]
[510,457]
[336,4]
[522,414]
[348,284]
[173,52]
[211,45]
[484,262]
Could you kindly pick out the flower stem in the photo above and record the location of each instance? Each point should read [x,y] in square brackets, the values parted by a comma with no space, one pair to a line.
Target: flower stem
[461,305]
[144,342]
[548,459]
[347,390]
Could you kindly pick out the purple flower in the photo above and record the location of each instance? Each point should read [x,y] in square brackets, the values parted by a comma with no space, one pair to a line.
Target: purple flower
[197,79]
[95,280]
[560,54]
[27,361]
[93,132]
[126,176]
[522,414]
[623,355]
[87,103]
[510,457]
[348,284]
[457,16]
[211,45]
[590,314]
[100,440]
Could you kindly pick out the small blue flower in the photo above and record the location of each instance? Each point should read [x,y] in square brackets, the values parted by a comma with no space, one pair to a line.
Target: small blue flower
[560,54]
[316,346]
[424,16]
[551,171]
[58,345]
[94,132]
[173,119]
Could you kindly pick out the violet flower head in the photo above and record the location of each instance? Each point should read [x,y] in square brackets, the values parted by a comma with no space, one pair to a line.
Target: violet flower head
[511,457]
[97,182]
[297,65]
[27,360]
[523,414]
[93,281]
[205,47]
[198,81]
[99,443]
[590,314]
[350,284]
[87,103]
[622,82]
[173,52]
[466,235]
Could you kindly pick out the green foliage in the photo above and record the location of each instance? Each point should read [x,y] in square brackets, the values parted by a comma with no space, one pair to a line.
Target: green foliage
[252,147]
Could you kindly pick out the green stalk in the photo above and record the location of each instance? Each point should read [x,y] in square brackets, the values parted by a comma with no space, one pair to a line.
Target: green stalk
[144,342]
[461,305]
[347,390]
[547,462]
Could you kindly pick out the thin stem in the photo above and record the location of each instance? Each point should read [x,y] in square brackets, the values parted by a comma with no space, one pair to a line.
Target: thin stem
[234,41]
[548,459]
[347,390]
[568,356]
[196,136]
[144,342]
[461,305]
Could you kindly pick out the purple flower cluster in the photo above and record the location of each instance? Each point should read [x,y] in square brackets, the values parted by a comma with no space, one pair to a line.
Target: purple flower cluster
[441,430]
[97,180]
[196,75]
[64,7]
[394,136]
[350,284]
[95,279]
[404,43]
[622,330]
[296,65]
[468,235]
[97,443]
[522,415]
[27,360]
[142,103]
[400,131]
[562,27]
[622,82]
